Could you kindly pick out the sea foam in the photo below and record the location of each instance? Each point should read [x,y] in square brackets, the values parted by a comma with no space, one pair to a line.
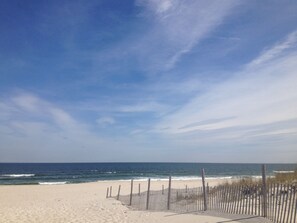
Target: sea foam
[18,175]
[284,171]
[52,183]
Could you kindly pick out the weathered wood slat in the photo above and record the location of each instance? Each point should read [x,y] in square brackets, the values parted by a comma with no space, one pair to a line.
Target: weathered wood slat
[148,194]
[293,203]
[276,204]
[169,193]
[131,193]
[272,202]
[264,191]
[259,200]
[204,190]
[229,198]
[119,190]
[249,199]
[295,211]
[237,209]
[246,202]
[268,201]
[282,203]
[224,198]
[285,206]
[288,203]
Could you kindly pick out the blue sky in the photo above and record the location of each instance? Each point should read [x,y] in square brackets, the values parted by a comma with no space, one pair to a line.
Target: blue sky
[148,80]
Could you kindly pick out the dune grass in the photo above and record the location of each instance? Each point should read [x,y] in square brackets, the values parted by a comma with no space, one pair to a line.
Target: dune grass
[280,178]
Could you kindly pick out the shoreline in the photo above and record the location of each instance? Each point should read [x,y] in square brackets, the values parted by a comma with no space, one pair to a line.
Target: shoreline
[143,179]
[177,182]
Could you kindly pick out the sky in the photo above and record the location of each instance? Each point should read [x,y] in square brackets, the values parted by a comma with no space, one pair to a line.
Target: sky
[148,80]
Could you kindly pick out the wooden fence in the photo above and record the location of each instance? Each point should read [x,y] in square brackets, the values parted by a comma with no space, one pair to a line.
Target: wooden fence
[277,202]
[280,205]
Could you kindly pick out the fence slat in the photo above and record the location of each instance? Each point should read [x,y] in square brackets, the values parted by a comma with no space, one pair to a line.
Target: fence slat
[227,198]
[277,209]
[119,192]
[223,198]
[295,211]
[281,203]
[169,193]
[264,190]
[289,203]
[293,202]
[285,205]
[131,193]
[269,196]
[249,199]
[253,199]
[230,200]
[148,194]
[272,202]
[218,198]
[204,190]
[107,192]
[236,200]
[246,201]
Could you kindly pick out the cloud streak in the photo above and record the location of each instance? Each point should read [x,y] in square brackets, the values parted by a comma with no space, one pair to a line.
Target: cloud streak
[177,27]
[263,95]
[277,50]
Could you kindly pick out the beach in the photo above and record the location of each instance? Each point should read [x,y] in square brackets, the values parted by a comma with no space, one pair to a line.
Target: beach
[77,192]
[87,202]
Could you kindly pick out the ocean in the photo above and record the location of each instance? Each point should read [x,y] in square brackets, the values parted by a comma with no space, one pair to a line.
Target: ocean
[63,173]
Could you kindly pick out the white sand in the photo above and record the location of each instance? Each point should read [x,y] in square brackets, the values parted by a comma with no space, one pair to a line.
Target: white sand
[85,203]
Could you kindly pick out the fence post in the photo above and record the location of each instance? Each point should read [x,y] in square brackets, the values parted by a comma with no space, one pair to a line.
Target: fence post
[107,192]
[162,189]
[110,191]
[119,192]
[131,192]
[139,189]
[169,193]
[204,191]
[148,193]
[264,190]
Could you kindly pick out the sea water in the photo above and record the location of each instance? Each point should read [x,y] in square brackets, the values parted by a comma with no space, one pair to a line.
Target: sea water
[62,173]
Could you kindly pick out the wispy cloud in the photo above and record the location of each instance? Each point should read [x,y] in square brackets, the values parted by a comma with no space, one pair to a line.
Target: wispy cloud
[33,104]
[33,128]
[149,106]
[263,95]
[289,43]
[177,26]
[105,120]
[206,122]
